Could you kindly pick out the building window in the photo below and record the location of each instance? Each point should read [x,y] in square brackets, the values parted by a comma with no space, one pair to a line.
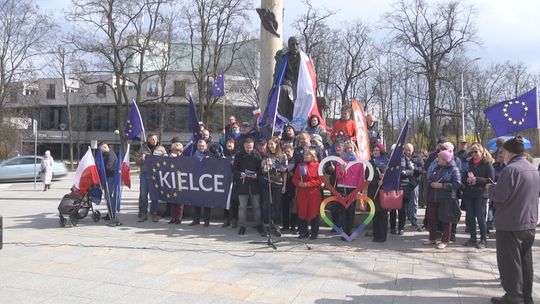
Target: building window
[101,90]
[152,88]
[51,91]
[179,88]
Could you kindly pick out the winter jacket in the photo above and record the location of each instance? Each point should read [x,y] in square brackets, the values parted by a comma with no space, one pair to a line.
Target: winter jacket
[449,176]
[483,172]
[407,172]
[374,185]
[275,170]
[242,162]
[110,159]
[311,194]
[146,149]
[353,177]
[347,127]
[516,196]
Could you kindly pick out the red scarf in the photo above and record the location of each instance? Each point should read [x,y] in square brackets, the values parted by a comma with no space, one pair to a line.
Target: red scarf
[476,162]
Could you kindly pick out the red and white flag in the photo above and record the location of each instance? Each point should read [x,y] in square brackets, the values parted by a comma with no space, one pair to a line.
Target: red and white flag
[86,174]
[126,171]
[305,105]
[362,138]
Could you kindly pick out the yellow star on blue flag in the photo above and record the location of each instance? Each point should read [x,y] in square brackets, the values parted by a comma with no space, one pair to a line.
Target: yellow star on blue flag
[515,114]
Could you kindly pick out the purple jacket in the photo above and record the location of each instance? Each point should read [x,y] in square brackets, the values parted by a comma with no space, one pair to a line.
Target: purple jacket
[516,196]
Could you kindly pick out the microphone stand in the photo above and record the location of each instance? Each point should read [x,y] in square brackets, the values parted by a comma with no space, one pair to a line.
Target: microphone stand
[269,241]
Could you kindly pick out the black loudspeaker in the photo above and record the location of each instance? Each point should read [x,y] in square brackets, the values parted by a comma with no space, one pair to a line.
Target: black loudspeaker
[1,225]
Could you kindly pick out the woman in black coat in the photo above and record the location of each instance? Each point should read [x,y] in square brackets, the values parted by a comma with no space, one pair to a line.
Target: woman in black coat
[475,197]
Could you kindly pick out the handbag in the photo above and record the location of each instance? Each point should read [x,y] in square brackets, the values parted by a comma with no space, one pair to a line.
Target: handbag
[449,211]
[392,199]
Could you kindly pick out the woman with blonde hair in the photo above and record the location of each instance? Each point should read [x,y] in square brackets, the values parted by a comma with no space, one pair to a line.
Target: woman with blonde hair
[177,210]
[475,196]
[308,194]
[46,172]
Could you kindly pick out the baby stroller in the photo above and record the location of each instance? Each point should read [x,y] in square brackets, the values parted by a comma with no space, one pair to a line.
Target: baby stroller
[76,207]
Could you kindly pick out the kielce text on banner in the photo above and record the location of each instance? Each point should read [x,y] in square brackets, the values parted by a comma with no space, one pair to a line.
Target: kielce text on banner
[183,180]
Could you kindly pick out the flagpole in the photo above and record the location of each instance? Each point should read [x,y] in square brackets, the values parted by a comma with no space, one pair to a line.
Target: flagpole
[223,103]
[537,121]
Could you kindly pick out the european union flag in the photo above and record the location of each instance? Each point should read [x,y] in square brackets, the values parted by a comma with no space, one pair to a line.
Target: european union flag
[393,171]
[194,128]
[218,89]
[134,125]
[515,114]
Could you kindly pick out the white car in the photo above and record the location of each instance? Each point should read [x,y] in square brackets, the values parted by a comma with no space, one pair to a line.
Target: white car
[21,168]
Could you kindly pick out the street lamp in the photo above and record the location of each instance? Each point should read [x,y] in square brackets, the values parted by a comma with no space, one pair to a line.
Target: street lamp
[116,133]
[62,127]
[463,98]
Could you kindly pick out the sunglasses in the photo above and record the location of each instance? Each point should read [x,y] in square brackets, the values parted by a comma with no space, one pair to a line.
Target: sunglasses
[475,151]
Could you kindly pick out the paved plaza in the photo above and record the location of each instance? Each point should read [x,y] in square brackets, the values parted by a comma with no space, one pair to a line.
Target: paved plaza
[160,263]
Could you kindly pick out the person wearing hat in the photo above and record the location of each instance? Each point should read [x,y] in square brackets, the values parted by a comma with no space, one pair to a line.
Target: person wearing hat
[289,136]
[463,153]
[515,196]
[443,182]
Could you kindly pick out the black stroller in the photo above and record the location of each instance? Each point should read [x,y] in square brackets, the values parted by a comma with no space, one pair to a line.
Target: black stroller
[77,207]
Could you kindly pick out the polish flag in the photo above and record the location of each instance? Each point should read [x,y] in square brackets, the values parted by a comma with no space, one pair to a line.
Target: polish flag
[126,171]
[86,174]
[305,105]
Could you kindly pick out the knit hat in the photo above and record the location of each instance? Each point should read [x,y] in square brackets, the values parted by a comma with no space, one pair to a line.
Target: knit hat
[380,146]
[446,155]
[317,137]
[175,139]
[448,146]
[514,145]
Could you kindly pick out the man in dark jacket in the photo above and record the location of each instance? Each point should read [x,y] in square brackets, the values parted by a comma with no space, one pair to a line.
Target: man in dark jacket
[246,168]
[516,200]
[150,147]
[110,161]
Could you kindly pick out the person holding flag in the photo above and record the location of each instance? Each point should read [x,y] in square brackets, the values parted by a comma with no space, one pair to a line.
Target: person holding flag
[150,147]
[106,162]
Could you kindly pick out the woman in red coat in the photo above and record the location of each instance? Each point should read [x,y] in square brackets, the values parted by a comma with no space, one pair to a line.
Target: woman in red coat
[308,194]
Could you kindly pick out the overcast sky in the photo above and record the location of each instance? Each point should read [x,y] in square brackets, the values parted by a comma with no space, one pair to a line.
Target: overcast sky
[508,30]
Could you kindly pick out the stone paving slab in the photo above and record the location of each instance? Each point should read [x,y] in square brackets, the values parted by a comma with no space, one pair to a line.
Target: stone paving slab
[160,263]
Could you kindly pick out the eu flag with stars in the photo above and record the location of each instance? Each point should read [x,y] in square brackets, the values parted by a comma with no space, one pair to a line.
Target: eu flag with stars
[218,89]
[194,128]
[134,125]
[392,174]
[515,114]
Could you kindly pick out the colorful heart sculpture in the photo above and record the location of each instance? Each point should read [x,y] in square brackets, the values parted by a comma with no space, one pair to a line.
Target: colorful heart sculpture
[360,228]
[346,201]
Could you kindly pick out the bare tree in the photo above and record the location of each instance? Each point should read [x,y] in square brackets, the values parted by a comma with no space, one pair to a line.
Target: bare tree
[216,34]
[354,58]
[25,31]
[117,35]
[429,36]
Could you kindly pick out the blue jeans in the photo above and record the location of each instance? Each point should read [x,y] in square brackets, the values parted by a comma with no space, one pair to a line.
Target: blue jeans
[411,207]
[476,212]
[143,195]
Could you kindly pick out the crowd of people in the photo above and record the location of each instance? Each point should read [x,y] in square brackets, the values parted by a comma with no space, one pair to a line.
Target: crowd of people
[278,178]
